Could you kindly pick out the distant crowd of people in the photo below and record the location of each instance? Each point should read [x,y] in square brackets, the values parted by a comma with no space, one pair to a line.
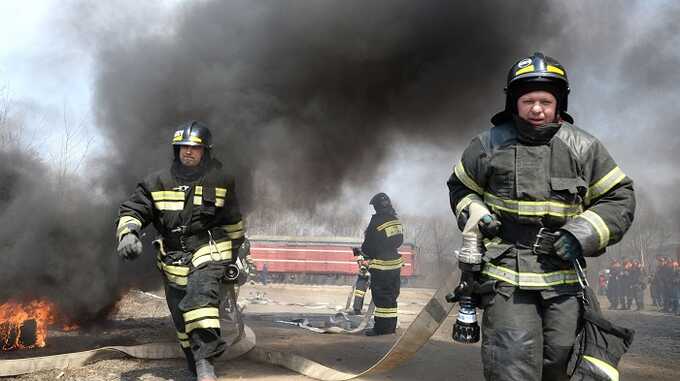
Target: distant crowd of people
[625,281]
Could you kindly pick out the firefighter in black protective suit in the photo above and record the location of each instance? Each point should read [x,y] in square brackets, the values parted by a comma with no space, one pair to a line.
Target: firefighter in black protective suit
[384,235]
[192,204]
[542,193]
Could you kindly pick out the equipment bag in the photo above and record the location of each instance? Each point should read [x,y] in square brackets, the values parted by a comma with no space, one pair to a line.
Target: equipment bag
[599,344]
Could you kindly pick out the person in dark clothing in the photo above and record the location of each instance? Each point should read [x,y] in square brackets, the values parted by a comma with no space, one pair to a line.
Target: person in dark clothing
[383,237]
[637,284]
[532,195]
[193,205]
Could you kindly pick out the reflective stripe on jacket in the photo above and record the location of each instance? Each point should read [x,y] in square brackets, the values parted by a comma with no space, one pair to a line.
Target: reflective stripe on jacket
[572,183]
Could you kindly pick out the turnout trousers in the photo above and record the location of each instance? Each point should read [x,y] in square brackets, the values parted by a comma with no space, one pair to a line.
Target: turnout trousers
[195,313]
[526,337]
[385,287]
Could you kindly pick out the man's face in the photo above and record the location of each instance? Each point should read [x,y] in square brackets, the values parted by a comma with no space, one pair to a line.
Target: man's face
[537,107]
[190,156]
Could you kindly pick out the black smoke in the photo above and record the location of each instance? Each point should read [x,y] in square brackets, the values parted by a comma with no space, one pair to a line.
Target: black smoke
[309,95]
[306,98]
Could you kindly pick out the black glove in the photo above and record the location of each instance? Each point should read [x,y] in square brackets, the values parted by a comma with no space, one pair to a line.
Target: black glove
[489,226]
[567,246]
[466,288]
[129,247]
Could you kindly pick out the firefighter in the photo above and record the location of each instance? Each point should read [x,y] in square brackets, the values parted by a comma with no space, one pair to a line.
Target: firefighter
[637,284]
[193,205]
[656,287]
[383,237]
[626,284]
[665,274]
[542,193]
[614,284]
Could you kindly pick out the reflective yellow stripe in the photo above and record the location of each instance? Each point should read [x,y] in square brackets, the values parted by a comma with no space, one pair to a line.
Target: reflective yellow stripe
[198,192]
[170,205]
[394,230]
[603,185]
[177,137]
[236,235]
[462,175]
[201,313]
[385,312]
[555,69]
[221,251]
[175,270]
[526,279]
[221,192]
[178,280]
[527,69]
[168,196]
[125,220]
[219,202]
[599,225]
[609,370]
[234,227]
[489,243]
[124,225]
[532,208]
[387,224]
[205,323]
[359,293]
[463,203]
[195,139]
[174,274]
[391,264]
[183,339]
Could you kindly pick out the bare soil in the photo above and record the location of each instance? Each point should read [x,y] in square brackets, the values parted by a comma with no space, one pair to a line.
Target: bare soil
[143,317]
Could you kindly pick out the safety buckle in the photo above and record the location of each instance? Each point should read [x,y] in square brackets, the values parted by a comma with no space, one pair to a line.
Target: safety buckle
[179,230]
[544,242]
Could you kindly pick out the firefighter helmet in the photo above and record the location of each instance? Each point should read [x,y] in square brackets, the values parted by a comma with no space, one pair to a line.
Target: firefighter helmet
[538,72]
[381,202]
[193,133]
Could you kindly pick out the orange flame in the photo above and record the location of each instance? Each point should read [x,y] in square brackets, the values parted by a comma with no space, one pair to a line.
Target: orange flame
[17,322]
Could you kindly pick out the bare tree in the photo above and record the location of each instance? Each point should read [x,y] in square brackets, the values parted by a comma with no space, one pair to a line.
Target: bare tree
[74,142]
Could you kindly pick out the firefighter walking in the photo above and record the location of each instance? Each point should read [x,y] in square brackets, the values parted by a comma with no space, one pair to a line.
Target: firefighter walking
[543,193]
[193,205]
[383,237]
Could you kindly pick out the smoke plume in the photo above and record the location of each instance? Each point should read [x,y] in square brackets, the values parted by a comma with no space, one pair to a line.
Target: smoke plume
[307,99]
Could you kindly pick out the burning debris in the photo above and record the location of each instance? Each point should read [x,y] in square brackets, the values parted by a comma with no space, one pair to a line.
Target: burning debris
[24,325]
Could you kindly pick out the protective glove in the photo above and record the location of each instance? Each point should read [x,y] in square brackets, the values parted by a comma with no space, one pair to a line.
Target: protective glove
[489,226]
[567,246]
[129,247]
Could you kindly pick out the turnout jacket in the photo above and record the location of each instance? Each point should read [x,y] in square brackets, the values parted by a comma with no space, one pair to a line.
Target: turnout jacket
[566,181]
[200,218]
[382,239]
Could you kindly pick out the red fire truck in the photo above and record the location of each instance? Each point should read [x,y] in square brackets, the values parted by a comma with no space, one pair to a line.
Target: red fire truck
[323,260]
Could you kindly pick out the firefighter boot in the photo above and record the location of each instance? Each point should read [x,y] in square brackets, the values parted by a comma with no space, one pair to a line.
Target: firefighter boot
[205,371]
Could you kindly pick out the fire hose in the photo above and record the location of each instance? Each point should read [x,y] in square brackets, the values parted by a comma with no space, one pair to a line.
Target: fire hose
[418,333]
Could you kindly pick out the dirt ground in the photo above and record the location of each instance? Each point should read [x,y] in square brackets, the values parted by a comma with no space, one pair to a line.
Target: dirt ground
[143,317]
